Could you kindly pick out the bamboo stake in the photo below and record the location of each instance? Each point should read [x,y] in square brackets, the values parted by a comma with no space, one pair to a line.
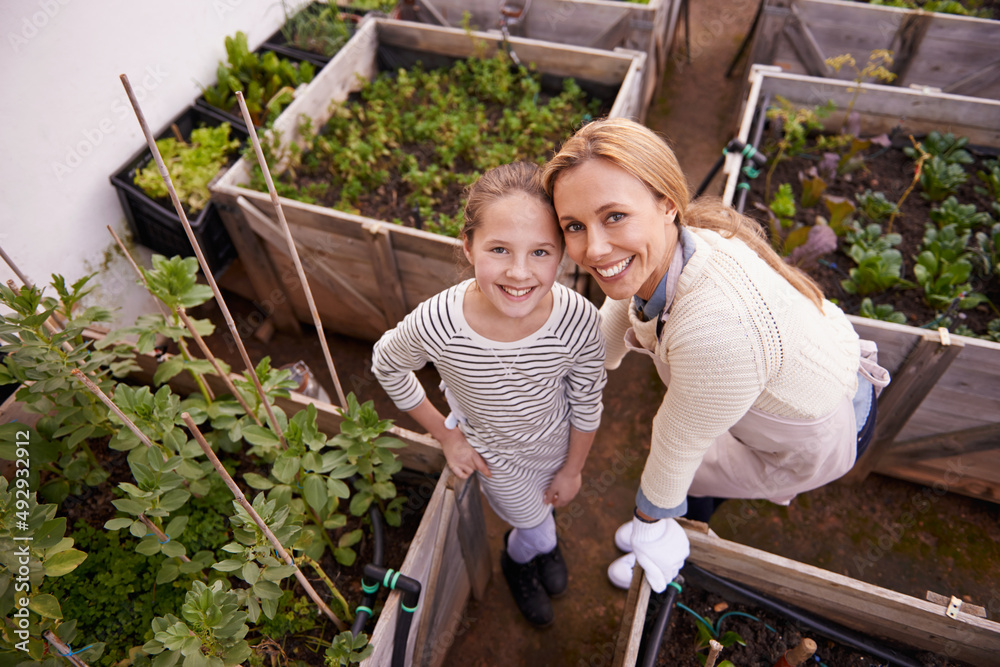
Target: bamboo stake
[202,345]
[151,142]
[13,267]
[62,649]
[713,652]
[182,313]
[292,249]
[242,500]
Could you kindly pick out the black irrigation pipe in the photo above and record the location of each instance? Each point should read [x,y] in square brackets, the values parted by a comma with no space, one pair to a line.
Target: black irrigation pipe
[734,146]
[378,559]
[652,644]
[410,589]
[758,132]
[821,626]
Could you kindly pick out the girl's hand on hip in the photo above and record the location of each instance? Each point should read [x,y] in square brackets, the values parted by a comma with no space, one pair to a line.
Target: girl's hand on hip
[564,487]
[461,457]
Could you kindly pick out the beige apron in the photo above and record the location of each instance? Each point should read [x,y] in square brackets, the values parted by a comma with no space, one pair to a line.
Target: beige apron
[766,456]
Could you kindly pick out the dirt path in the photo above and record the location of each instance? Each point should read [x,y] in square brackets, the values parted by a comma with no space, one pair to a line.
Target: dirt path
[695,112]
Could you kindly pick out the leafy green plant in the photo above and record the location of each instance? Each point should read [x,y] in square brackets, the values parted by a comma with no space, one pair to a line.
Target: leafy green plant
[943,269]
[174,282]
[940,178]
[878,263]
[253,559]
[874,206]
[990,176]
[963,216]
[210,632]
[347,650]
[361,437]
[795,124]
[948,147]
[987,251]
[268,82]
[318,28]
[191,165]
[27,564]
[42,356]
[113,595]
[883,311]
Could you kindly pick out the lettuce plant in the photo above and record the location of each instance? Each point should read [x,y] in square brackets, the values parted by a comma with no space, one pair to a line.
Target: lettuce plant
[943,269]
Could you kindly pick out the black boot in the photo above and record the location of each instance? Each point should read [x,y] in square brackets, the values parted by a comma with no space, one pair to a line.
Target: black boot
[552,571]
[528,592]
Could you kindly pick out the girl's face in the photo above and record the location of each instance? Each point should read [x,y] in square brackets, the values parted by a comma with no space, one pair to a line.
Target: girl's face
[515,252]
[614,227]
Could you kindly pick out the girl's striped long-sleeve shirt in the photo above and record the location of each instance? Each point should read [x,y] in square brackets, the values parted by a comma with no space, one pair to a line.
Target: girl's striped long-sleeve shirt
[512,394]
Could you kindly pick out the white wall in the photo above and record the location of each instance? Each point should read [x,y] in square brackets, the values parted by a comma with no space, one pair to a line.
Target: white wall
[67,124]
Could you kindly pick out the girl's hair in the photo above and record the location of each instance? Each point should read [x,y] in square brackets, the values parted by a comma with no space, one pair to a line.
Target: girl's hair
[501,182]
[643,154]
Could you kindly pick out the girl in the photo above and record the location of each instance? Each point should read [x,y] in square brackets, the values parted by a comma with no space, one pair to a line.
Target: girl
[770,391]
[522,363]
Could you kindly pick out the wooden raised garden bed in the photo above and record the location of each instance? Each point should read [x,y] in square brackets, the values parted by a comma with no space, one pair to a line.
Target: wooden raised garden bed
[883,614]
[597,24]
[957,54]
[367,274]
[939,419]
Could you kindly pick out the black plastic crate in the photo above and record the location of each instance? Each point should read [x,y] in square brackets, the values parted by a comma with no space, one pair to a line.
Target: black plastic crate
[280,45]
[235,117]
[155,223]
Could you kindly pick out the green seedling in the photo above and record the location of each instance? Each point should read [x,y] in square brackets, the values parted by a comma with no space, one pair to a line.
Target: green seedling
[192,165]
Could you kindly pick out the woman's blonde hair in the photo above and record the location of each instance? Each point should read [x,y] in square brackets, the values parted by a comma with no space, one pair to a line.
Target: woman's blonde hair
[643,154]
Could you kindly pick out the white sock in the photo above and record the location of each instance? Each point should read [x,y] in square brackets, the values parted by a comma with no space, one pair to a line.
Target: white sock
[526,543]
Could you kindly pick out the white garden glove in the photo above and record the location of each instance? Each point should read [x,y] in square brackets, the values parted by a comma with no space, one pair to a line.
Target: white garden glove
[660,549]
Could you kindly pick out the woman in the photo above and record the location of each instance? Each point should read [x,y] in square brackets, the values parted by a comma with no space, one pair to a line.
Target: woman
[769,393]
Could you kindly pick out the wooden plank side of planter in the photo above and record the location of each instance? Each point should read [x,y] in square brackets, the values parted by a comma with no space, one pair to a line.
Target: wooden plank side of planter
[597,24]
[941,51]
[558,59]
[869,609]
[967,395]
[434,559]
[884,107]
[633,620]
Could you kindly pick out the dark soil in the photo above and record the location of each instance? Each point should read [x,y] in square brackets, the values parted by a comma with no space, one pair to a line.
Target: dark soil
[890,172]
[765,633]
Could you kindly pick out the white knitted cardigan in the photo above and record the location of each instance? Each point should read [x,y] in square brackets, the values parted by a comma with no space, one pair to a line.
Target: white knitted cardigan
[738,336]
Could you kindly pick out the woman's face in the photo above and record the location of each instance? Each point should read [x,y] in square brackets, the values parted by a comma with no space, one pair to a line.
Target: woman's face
[614,227]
